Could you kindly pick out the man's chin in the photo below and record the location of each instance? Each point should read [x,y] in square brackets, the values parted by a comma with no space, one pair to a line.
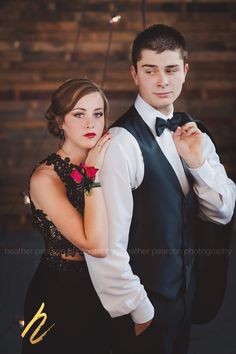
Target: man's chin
[164,108]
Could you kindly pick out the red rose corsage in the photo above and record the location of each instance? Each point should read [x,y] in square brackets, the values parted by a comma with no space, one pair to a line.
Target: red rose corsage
[90,171]
[76,175]
[85,175]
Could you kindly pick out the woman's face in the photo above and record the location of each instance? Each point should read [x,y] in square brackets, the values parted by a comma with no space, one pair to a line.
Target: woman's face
[84,124]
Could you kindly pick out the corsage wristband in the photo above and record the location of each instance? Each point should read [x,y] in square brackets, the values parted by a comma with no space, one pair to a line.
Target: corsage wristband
[96,184]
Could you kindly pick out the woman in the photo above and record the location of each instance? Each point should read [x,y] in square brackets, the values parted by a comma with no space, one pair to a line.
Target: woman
[68,209]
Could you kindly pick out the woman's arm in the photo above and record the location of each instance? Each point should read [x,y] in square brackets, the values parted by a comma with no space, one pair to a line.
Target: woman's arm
[49,194]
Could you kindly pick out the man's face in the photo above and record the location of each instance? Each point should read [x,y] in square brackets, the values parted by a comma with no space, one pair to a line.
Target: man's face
[160,77]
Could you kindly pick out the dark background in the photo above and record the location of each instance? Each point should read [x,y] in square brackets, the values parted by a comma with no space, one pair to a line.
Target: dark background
[43,43]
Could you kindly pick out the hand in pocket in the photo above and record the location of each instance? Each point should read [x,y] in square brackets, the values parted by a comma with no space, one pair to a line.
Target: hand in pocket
[140,328]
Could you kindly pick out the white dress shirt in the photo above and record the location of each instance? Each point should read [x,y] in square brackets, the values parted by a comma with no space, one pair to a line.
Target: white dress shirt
[120,290]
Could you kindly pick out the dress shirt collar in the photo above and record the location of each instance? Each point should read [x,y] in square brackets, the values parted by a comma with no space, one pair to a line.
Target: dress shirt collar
[149,113]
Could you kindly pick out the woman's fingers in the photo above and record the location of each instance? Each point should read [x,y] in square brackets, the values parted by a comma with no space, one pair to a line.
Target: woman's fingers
[96,155]
[105,143]
[106,137]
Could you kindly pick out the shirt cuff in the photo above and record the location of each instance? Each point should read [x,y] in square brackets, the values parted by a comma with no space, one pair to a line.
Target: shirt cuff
[144,312]
[203,175]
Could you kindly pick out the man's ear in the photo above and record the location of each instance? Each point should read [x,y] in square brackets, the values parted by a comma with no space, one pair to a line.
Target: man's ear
[186,68]
[134,74]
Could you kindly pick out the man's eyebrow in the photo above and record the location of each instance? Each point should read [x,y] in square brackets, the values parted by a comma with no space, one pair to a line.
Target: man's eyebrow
[172,66]
[149,66]
[155,66]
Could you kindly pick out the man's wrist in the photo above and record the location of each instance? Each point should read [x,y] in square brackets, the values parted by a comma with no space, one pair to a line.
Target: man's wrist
[143,313]
[195,162]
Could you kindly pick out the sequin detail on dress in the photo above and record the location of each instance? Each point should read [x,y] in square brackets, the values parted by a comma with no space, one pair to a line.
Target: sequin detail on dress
[55,243]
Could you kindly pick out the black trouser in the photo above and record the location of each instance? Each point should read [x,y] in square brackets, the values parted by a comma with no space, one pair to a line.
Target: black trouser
[168,333]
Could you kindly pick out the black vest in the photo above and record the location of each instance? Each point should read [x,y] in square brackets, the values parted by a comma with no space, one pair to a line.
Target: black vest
[164,225]
[161,238]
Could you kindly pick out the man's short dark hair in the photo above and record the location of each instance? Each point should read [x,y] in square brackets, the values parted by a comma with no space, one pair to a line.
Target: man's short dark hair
[158,38]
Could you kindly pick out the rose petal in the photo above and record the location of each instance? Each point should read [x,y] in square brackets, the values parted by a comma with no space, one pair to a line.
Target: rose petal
[91,172]
[77,177]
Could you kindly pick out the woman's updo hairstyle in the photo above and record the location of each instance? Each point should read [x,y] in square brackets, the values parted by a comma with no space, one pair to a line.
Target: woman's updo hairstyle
[65,98]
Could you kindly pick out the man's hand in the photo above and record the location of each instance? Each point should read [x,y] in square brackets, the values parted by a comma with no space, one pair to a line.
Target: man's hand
[140,328]
[188,140]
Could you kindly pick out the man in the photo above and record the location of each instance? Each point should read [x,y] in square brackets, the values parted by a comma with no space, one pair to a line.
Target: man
[159,175]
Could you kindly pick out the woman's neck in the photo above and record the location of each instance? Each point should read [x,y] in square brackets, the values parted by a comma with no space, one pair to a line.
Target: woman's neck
[76,156]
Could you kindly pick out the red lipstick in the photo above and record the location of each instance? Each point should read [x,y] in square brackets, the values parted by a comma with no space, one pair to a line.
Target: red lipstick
[90,135]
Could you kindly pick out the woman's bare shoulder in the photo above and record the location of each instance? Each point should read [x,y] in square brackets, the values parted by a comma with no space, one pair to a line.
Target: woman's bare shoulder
[44,175]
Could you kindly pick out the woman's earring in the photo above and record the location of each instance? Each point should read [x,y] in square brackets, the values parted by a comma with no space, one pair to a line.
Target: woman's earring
[62,135]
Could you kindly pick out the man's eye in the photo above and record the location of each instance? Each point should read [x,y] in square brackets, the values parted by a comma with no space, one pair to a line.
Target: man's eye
[171,71]
[150,72]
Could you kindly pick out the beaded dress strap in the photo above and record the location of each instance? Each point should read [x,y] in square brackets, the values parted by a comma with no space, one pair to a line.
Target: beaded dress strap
[62,167]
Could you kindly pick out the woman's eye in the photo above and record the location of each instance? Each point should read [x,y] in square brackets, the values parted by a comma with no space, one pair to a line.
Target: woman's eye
[79,115]
[98,114]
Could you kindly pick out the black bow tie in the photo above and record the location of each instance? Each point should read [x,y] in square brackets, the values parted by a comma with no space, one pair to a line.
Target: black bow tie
[171,124]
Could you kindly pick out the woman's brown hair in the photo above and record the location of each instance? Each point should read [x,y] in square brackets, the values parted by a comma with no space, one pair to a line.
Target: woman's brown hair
[65,97]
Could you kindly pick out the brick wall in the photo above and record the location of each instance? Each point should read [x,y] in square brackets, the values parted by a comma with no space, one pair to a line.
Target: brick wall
[37,42]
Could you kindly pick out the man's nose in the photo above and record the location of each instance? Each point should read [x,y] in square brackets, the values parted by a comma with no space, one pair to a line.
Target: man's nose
[162,80]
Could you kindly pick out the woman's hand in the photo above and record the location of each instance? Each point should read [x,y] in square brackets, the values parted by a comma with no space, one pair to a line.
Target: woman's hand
[96,155]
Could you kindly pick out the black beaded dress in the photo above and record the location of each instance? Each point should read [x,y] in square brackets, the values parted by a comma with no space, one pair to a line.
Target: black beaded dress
[79,322]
